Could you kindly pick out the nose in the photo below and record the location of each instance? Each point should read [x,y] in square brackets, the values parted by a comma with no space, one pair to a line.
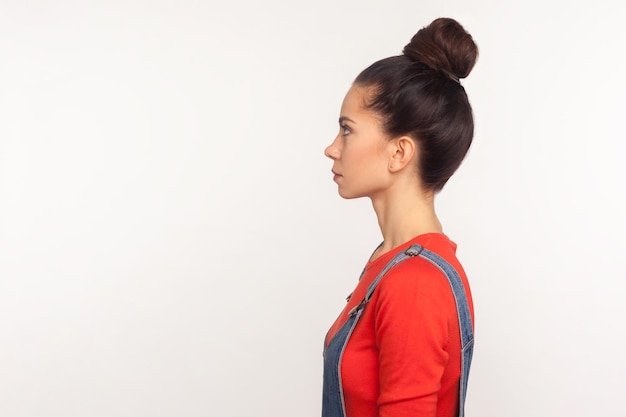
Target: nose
[332,151]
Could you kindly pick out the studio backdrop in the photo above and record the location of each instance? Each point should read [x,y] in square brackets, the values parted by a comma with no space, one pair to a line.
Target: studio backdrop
[172,242]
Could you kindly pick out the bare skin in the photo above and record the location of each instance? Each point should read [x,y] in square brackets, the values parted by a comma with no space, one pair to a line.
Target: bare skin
[367,163]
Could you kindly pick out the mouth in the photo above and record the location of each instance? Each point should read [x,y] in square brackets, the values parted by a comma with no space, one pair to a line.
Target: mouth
[335,174]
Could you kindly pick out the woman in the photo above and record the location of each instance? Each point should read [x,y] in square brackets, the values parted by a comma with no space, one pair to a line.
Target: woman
[403,344]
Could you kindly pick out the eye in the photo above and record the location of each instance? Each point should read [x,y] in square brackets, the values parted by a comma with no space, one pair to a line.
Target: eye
[345,130]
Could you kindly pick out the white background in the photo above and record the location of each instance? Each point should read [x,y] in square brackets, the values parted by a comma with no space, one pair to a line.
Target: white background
[171,241]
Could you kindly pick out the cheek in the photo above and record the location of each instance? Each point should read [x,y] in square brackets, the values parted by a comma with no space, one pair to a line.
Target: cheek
[367,166]
[372,158]
[363,152]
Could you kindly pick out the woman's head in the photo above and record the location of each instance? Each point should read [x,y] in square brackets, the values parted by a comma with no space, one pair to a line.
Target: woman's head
[418,95]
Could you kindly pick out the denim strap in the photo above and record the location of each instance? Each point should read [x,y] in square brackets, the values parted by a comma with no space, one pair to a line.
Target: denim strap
[463,312]
[460,298]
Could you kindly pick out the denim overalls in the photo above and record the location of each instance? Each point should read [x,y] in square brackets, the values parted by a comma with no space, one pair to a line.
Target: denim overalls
[333,401]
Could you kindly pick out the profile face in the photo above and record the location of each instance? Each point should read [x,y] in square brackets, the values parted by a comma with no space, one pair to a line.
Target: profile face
[361,150]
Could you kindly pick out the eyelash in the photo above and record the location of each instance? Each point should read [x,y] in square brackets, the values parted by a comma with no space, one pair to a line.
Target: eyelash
[345,130]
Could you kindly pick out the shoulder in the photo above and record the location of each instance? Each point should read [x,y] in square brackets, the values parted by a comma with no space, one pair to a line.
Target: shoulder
[415,274]
[414,297]
[419,282]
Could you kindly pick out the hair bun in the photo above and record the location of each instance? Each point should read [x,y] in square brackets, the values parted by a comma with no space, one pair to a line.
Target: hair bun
[444,46]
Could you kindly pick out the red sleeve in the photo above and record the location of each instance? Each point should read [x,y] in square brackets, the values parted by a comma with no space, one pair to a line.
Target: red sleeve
[412,323]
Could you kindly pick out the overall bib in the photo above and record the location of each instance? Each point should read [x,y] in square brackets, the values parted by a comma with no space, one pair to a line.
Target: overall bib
[333,402]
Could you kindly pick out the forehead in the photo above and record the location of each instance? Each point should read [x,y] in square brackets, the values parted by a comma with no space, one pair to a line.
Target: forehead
[359,118]
[354,103]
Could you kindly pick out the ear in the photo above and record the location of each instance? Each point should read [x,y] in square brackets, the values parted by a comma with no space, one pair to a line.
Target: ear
[403,149]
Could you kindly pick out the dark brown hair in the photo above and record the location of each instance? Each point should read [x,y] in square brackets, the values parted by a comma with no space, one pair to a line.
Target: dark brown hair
[418,94]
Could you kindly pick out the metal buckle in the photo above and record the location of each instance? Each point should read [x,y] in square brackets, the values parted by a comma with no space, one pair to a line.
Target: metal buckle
[357,308]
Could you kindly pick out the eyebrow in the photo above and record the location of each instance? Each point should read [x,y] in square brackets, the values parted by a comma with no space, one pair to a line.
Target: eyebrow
[343,119]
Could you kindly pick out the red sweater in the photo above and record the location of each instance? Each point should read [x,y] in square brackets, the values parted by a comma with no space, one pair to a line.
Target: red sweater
[404,356]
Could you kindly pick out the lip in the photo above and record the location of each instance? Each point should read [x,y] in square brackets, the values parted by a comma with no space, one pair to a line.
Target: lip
[335,175]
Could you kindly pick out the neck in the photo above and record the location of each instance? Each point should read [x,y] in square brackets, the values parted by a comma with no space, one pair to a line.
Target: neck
[402,216]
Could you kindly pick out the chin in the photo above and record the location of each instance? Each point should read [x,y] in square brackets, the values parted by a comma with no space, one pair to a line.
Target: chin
[347,195]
